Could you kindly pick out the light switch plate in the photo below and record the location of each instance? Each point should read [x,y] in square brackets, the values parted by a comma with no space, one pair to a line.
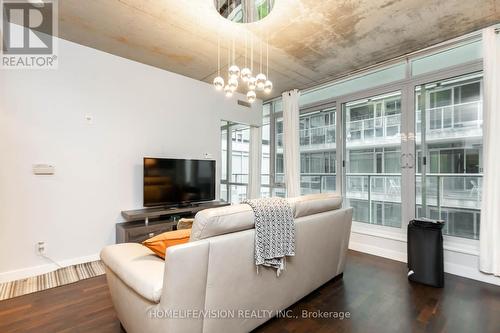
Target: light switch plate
[43,169]
[89,119]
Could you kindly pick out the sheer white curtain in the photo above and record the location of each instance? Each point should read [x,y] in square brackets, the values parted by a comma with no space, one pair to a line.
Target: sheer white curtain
[291,142]
[489,238]
[255,162]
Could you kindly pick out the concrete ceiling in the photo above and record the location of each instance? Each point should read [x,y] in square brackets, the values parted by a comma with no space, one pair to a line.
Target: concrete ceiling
[310,40]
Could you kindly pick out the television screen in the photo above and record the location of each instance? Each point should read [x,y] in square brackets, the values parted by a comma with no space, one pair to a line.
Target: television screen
[175,181]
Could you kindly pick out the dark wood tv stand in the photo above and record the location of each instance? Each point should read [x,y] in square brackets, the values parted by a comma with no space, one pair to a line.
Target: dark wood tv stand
[145,223]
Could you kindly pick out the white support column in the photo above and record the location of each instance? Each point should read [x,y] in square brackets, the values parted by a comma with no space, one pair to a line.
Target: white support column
[255,157]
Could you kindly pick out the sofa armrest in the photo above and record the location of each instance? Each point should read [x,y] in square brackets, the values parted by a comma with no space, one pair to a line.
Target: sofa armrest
[184,286]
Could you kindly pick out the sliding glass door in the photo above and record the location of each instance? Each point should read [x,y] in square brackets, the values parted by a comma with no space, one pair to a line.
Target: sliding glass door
[449,147]
[373,177]
[398,142]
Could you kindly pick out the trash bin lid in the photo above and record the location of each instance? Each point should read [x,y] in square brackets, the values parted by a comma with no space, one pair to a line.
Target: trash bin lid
[427,223]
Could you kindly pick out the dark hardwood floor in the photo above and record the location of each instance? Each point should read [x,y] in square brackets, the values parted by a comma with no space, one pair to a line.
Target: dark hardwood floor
[374,291]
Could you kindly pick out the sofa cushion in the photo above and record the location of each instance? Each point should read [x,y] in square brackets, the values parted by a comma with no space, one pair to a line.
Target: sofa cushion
[222,220]
[160,243]
[138,267]
[315,204]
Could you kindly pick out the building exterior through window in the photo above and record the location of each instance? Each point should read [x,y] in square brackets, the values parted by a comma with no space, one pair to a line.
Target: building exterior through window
[398,142]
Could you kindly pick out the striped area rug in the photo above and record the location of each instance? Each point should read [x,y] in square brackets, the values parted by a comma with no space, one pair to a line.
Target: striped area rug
[60,277]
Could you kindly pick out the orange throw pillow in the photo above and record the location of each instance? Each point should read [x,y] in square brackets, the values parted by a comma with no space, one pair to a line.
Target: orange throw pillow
[159,243]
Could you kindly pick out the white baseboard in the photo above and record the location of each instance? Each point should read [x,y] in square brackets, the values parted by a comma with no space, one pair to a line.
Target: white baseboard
[470,273]
[377,251]
[451,268]
[42,269]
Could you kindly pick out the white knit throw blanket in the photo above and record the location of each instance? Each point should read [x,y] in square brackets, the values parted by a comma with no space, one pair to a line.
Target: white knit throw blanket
[274,232]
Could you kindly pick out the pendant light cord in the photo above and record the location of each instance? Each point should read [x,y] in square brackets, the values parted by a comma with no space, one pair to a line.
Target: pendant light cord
[218,54]
[251,53]
[261,55]
[228,55]
[234,53]
[267,56]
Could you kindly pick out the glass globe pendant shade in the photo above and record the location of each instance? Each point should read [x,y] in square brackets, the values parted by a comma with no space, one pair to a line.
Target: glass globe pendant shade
[252,83]
[234,72]
[219,83]
[228,91]
[251,96]
[268,86]
[246,74]
[261,81]
[233,84]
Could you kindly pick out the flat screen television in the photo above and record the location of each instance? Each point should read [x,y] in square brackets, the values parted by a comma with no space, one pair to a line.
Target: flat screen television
[175,182]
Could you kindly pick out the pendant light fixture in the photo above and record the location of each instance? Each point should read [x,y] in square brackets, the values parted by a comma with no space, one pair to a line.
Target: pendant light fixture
[247,11]
[251,96]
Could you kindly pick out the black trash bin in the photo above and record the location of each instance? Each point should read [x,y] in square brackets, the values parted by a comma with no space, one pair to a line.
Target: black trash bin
[425,252]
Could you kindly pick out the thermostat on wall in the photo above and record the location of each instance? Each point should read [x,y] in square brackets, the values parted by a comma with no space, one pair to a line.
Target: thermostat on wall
[43,169]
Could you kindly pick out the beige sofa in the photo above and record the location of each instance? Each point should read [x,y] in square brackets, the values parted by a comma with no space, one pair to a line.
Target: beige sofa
[211,283]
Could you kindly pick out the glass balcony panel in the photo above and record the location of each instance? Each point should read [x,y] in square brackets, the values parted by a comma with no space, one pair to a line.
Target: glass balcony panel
[310,184]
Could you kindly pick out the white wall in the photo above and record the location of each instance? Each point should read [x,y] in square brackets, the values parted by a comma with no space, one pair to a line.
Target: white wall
[137,111]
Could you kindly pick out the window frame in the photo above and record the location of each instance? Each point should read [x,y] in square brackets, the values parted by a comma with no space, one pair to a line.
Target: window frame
[407,87]
[228,182]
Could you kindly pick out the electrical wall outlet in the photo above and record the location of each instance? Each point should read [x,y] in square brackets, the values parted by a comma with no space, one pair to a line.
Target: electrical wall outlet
[41,248]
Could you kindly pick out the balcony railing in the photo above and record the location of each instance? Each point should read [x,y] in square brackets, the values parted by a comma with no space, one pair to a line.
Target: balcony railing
[458,194]
[239,178]
[457,116]
[318,137]
[462,191]
[317,183]
[451,190]
[464,118]
[374,128]
[374,187]
[314,182]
